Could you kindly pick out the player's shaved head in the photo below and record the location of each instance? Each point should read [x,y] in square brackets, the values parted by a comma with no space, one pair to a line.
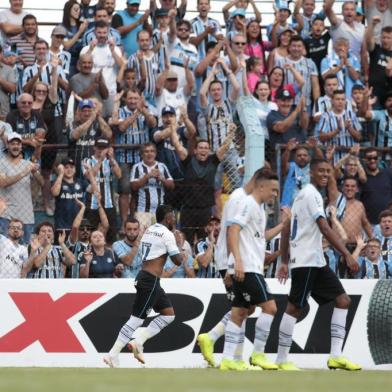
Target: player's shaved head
[162,211]
[315,162]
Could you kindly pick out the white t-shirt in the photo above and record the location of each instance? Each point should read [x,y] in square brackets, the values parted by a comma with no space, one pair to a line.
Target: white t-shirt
[7,16]
[104,60]
[251,217]
[12,258]
[158,240]
[229,211]
[306,248]
[176,100]
[353,35]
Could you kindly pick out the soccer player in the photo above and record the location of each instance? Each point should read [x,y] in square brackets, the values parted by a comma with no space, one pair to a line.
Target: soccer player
[246,241]
[158,242]
[310,275]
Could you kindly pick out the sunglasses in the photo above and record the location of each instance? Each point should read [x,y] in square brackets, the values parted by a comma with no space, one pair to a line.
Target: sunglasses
[371,158]
[26,102]
[182,29]
[85,228]
[239,43]
[41,91]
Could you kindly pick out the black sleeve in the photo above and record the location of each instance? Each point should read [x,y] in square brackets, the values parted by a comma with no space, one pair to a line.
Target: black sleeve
[117,21]
[11,119]
[187,160]
[215,160]
[40,121]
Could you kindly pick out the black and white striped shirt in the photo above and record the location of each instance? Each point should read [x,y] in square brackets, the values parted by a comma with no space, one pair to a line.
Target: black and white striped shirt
[46,77]
[152,70]
[52,267]
[218,121]
[152,193]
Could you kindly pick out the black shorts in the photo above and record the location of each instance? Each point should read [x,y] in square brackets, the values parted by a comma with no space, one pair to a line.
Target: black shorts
[149,295]
[321,283]
[253,290]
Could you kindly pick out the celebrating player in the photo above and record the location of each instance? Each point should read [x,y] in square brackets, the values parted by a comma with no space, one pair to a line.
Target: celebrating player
[158,242]
[310,275]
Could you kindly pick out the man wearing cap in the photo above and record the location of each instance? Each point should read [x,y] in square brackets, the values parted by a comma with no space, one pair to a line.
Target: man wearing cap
[129,22]
[66,189]
[204,28]
[82,133]
[287,122]
[170,94]
[133,123]
[205,249]
[7,85]
[172,139]
[99,169]
[101,13]
[282,13]
[15,186]
[160,33]
[87,84]
[151,64]
[56,45]
[168,5]
[347,27]
[240,10]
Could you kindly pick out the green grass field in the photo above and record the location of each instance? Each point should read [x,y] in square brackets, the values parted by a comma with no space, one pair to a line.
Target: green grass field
[195,380]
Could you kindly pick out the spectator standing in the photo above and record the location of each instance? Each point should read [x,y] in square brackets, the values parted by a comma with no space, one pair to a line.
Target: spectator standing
[110,6]
[11,21]
[65,190]
[56,48]
[255,46]
[383,232]
[347,27]
[287,122]
[129,22]
[14,260]
[87,12]
[309,16]
[380,9]
[380,54]
[376,193]
[23,43]
[74,32]
[15,186]
[128,250]
[7,85]
[149,178]
[106,57]
[133,123]
[100,169]
[49,261]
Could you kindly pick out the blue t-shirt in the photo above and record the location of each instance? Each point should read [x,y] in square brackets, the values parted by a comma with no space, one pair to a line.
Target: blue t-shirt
[102,266]
[122,248]
[66,208]
[180,272]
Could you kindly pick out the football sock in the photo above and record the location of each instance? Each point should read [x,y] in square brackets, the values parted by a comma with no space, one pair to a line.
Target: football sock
[232,339]
[219,329]
[338,331]
[262,330]
[286,329]
[238,353]
[156,326]
[125,334]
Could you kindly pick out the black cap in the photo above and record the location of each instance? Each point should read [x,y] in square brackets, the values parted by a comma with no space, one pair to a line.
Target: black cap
[68,161]
[86,223]
[168,110]
[102,143]
[161,12]
[284,93]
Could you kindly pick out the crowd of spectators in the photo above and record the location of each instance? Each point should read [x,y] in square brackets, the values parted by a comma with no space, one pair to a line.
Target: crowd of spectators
[144,106]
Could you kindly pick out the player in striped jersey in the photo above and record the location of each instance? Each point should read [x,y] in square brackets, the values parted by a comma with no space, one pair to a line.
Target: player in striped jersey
[103,167]
[48,259]
[149,179]
[339,126]
[151,63]
[204,28]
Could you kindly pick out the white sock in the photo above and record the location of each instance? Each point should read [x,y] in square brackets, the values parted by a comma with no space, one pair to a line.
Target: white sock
[219,329]
[338,331]
[238,353]
[286,329]
[232,339]
[125,334]
[156,326]
[262,330]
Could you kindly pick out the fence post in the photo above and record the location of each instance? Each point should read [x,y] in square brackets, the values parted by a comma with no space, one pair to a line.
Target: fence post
[254,136]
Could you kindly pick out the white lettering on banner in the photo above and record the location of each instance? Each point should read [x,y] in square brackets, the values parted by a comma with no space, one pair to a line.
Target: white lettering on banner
[96,293]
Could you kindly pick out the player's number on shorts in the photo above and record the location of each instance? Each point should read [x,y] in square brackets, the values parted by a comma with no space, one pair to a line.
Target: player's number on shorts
[146,246]
[294,228]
